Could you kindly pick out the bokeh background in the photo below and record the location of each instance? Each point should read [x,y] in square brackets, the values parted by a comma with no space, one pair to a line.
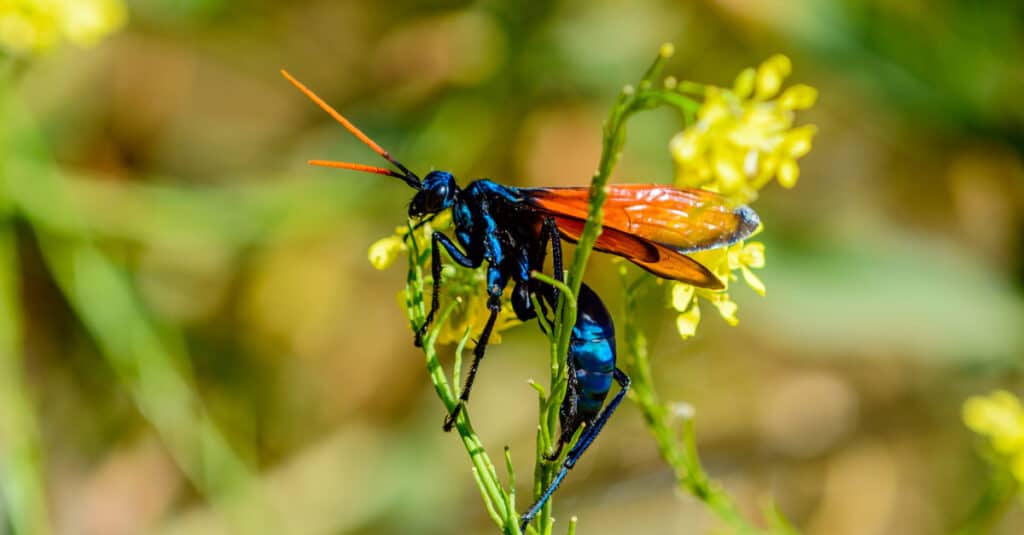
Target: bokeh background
[195,342]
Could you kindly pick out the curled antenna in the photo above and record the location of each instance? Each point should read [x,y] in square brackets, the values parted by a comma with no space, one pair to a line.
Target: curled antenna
[406,175]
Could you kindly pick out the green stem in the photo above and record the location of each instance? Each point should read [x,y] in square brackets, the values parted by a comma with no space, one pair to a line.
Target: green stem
[559,285]
[998,495]
[630,101]
[500,504]
[22,478]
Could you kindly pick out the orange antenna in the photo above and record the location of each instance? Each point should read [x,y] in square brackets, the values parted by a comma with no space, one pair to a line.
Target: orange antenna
[408,176]
[356,167]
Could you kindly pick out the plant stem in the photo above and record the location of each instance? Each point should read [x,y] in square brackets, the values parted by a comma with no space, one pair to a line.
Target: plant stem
[630,100]
[679,449]
[500,504]
[22,474]
[999,494]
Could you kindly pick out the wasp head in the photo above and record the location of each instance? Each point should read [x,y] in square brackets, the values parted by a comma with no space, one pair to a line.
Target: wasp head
[438,192]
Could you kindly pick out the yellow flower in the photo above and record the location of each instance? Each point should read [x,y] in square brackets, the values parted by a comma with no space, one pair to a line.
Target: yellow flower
[39,25]
[465,286]
[745,257]
[724,262]
[384,251]
[744,137]
[689,313]
[468,288]
[999,417]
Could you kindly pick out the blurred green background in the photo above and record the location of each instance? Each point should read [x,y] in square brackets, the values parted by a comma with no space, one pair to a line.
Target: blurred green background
[194,342]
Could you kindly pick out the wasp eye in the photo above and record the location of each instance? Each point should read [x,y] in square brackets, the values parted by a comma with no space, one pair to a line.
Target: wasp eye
[438,198]
[438,191]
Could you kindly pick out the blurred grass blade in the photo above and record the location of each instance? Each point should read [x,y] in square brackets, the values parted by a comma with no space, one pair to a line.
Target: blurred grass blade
[21,464]
[148,365]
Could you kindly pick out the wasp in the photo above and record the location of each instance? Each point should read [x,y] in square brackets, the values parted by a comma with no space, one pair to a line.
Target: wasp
[652,225]
[509,228]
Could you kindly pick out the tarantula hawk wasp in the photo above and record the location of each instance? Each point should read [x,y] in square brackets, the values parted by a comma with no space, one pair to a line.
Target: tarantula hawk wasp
[509,228]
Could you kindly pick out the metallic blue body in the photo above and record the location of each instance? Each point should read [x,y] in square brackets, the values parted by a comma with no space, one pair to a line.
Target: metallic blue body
[495,224]
[492,225]
[592,353]
[506,248]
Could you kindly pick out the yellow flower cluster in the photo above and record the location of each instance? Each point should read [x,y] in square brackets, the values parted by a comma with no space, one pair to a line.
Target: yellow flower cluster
[742,139]
[999,417]
[39,25]
[465,286]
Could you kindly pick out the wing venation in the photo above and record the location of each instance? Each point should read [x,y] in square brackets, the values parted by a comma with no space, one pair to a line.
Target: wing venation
[684,220]
[656,258]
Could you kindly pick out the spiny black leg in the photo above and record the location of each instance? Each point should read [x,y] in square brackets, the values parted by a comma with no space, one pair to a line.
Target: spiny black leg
[549,296]
[588,437]
[437,239]
[568,413]
[478,355]
[435,294]
[591,434]
[558,451]
[551,229]
[549,232]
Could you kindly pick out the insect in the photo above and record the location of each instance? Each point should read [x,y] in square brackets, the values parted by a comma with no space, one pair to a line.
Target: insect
[507,228]
[591,369]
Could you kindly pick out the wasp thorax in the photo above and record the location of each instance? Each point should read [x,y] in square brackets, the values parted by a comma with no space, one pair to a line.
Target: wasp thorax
[438,192]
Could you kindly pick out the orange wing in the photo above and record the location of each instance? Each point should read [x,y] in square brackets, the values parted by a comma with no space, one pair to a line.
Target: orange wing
[662,261]
[653,225]
[684,220]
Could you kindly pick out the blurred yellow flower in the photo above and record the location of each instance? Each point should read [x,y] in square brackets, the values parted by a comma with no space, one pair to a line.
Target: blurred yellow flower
[384,251]
[39,25]
[999,417]
[744,137]
[465,286]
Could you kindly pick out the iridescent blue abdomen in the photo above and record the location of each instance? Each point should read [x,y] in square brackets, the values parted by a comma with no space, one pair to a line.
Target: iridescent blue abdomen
[592,350]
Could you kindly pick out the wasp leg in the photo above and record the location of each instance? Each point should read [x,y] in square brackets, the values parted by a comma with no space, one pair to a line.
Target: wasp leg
[551,232]
[548,296]
[494,303]
[569,416]
[577,451]
[461,259]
